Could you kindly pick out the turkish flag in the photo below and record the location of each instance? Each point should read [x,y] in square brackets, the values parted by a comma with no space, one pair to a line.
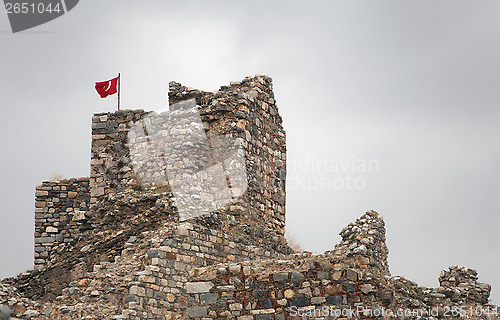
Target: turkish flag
[107,88]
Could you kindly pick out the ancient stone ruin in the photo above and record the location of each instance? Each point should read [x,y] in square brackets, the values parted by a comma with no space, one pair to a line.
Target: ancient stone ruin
[131,242]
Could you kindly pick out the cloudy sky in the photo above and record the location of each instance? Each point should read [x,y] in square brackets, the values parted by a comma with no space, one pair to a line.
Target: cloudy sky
[388,105]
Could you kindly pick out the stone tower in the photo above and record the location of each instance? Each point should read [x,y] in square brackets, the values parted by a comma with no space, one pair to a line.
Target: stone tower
[244,111]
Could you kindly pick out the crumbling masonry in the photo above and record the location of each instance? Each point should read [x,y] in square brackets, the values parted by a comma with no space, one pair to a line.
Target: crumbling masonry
[112,246]
[245,110]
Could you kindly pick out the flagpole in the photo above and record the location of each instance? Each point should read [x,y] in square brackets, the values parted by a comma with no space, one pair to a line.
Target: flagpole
[119,91]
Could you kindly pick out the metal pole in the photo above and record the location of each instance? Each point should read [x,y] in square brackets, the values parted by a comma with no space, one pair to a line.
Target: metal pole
[119,91]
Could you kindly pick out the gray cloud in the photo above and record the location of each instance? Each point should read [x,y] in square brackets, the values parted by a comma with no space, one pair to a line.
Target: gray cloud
[412,85]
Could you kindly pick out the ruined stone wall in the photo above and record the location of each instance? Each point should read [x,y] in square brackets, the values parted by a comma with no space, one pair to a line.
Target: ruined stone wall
[363,245]
[134,259]
[147,279]
[110,167]
[247,110]
[172,149]
[244,110]
[312,286]
[243,114]
[60,208]
[351,281]
[162,284]
[272,289]
[195,271]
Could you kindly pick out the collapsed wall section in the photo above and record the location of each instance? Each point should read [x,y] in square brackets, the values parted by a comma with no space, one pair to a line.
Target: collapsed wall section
[160,288]
[310,286]
[351,281]
[147,279]
[157,276]
[354,273]
[273,289]
[364,245]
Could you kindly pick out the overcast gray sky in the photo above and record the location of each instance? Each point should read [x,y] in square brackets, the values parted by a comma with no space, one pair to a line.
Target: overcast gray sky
[408,88]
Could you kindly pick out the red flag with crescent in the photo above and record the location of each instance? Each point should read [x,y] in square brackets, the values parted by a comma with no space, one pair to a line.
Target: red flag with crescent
[107,88]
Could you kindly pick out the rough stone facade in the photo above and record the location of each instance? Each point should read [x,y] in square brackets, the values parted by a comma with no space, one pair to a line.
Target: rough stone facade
[110,167]
[60,208]
[248,110]
[245,112]
[129,255]
[337,284]
[190,271]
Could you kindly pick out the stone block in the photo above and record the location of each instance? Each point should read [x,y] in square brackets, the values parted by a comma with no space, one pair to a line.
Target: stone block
[208,298]
[366,288]
[138,291]
[297,277]
[318,300]
[197,312]
[299,302]
[40,204]
[289,293]
[97,192]
[235,306]
[351,275]
[51,230]
[40,193]
[280,277]
[79,215]
[334,300]
[198,287]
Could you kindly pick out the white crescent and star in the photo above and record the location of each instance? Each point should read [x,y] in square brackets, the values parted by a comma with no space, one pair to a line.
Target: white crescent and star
[109,85]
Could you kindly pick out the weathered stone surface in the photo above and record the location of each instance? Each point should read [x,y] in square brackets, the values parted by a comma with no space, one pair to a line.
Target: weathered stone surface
[197,312]
[297,277]
[40,204]
[280,277]
[198,287]
[138,291]
[366,288]
[57,202]
[5,312]
[51,230]
[208,298]
[289,293]
[128,257]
